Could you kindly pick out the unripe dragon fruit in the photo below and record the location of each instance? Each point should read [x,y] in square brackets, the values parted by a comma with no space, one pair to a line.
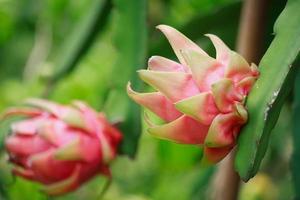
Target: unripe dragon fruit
[60,146]
[201,99]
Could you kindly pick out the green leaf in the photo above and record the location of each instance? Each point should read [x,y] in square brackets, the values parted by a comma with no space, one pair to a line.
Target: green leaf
[202,24]
[130,40]
[295,161]
[25,190]
[82,38]
[269,93]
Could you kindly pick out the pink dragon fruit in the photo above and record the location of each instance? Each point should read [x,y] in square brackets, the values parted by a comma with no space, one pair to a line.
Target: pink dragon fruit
[60,146]
[201,99]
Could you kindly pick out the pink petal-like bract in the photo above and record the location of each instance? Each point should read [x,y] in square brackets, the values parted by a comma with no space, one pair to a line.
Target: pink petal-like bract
[200,98]
[60,146]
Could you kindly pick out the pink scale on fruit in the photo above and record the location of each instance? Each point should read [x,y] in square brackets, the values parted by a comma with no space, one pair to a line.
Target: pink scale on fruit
[206,95]
[61,146]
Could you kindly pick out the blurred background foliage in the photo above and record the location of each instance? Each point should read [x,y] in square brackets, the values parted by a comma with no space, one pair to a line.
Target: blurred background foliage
[88,49]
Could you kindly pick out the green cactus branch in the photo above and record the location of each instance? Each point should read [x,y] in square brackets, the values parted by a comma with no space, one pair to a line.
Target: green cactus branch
[268,94]
[80,40]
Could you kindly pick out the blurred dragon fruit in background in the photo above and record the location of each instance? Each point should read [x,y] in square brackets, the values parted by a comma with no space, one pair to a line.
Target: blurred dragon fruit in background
[201,99]
[60,146]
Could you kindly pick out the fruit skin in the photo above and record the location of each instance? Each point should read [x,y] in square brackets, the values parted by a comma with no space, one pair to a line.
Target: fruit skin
[60,146]
[201,99]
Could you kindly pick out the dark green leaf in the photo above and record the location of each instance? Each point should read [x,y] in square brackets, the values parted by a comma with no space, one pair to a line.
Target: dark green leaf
[202,24]
[82,38]
[295,163]
[130,40]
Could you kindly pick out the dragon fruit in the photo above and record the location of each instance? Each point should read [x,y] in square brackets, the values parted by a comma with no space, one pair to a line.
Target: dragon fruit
[60,146]
[201,99]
